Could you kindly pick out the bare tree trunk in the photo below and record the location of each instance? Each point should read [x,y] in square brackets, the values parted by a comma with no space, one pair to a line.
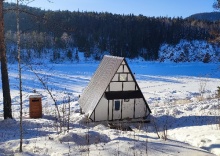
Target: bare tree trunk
[19,74]
[4,69]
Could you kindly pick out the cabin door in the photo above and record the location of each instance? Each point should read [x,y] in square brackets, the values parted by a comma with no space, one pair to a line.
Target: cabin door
[117,104]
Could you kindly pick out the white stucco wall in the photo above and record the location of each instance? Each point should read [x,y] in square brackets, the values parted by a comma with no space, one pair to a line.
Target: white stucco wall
[110,109]
[128,109]
[126,69]
[115,78]
[130,77]
[116,86]
[140,108]
[128,86]
[120,69]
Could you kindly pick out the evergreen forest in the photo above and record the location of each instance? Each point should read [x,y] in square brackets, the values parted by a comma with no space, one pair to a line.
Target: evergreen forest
[98,33]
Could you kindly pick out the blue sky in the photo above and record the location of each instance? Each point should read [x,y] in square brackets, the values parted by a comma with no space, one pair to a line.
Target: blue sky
[167,8]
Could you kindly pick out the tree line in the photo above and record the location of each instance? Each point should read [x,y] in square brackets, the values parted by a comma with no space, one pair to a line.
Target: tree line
[96,33]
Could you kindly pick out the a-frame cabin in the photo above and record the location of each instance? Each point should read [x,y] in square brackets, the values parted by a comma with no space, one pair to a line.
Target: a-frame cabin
[113,93]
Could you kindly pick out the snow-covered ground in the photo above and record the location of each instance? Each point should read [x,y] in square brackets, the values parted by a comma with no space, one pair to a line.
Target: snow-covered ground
[181,97]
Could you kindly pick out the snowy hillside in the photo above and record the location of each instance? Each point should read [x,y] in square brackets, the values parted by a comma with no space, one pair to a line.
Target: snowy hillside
[184,51]
[182,98]
[190,51]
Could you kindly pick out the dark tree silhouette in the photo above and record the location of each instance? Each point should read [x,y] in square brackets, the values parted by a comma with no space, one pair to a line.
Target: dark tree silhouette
[216,4]
[4,69]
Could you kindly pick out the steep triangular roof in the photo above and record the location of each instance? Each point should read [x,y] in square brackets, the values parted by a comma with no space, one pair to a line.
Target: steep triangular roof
[99,82]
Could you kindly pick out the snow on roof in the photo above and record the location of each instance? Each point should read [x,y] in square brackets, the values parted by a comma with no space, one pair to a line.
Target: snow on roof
[99,82]
[34,95]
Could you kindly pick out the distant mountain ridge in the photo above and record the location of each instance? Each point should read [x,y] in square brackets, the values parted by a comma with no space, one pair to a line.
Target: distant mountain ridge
[208,16]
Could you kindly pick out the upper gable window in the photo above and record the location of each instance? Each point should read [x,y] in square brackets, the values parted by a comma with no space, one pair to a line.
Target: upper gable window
[126,100]
[123,77]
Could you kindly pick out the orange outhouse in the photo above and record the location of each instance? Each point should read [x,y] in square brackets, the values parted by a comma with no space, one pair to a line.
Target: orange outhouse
[35,109]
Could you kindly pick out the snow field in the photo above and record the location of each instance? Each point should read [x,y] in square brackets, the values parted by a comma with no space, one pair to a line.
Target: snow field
[174,94]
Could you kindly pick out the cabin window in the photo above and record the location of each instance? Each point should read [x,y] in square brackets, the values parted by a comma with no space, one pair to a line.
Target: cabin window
[117,105]
[126,100]
[123,77]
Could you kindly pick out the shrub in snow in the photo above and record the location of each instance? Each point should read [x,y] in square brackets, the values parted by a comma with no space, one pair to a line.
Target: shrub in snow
[176,111]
